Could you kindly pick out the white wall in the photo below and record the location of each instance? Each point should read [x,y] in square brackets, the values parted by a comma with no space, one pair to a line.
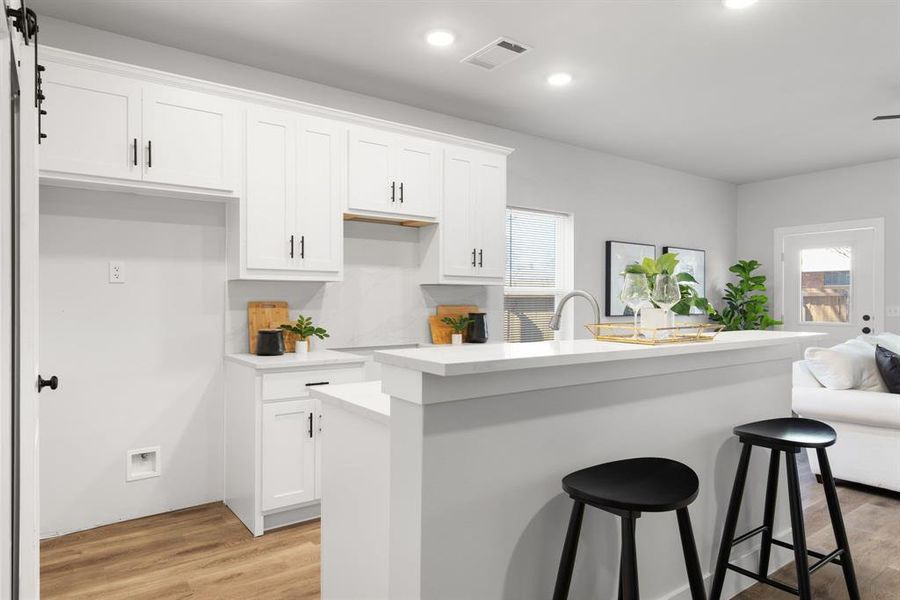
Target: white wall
[611,197]
[130,377]
[139,363]
[858,192]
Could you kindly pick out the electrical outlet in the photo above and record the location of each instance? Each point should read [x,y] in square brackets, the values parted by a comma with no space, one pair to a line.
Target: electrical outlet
[893,311]
[116,271]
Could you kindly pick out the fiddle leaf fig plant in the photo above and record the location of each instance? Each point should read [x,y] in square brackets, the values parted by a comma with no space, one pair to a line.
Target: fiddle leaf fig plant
[304,328]
[666,265]
[746,304]
[458,324]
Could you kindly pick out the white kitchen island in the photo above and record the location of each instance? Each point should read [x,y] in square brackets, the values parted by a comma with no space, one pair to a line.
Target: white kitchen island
[480,437]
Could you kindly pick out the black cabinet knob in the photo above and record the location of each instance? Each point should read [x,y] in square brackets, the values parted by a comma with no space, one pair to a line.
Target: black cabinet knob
[867,330]
[52,383]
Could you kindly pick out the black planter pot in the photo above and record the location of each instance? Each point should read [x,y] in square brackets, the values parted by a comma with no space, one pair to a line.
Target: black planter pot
[269,342]
[477,330]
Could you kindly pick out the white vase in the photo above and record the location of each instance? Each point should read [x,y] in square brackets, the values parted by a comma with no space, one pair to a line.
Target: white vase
[302,347]
[653,318]
[456,339]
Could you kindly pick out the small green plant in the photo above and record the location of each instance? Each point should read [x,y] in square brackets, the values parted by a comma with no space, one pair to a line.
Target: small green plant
[665,265]
[746,304]
[304,329]
[458,324]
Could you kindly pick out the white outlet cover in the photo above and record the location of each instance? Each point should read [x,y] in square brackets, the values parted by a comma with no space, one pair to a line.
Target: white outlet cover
[893,311]
[143,463]
[116,271]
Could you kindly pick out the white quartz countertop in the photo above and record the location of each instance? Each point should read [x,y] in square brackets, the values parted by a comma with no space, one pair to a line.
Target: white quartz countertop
[365,398]
[317,358]
[467,359]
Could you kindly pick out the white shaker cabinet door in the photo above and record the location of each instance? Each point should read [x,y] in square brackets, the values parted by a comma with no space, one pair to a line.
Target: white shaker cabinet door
[371,184]
[288,453]
[190,138]
[320,188]
[489,209]
[271,188]
[417,177]
[93,123]
[459,251]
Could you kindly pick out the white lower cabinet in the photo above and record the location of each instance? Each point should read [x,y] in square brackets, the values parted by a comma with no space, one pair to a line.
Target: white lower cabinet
[272,438]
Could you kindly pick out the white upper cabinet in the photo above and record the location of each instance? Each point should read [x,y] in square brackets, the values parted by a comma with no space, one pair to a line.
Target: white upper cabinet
[470,244]
[292,206]
[190,138]
[393,175]
[112,127]
[93,122]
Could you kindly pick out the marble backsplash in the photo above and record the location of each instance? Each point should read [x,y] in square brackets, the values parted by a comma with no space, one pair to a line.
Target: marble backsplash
[379,303]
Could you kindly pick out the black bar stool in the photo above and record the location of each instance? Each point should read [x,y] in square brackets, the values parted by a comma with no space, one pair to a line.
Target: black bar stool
[627,488]
[786,435]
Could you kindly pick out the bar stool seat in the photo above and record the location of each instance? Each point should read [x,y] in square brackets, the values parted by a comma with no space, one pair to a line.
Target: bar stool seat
[627,488]
[635,485]
[787,433]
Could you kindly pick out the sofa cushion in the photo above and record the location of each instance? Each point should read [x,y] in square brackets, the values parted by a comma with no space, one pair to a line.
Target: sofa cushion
[889,366]
[847,366]
[888,340]
[880,410]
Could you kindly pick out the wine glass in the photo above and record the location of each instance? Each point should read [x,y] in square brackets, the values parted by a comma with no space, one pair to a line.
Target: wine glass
[666,292]
[634,294]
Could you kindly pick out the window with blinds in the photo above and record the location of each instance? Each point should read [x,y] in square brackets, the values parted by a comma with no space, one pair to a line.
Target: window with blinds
[535,273]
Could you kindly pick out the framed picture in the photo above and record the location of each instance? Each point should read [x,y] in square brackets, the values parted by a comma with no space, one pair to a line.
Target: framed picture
[618,256]
[694,262]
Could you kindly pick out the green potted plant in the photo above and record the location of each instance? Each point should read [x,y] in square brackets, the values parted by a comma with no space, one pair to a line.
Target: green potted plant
[666,264]
[458,325]
[303,330]
[746,303]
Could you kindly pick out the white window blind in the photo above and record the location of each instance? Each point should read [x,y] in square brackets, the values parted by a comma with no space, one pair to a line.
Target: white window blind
[535,273]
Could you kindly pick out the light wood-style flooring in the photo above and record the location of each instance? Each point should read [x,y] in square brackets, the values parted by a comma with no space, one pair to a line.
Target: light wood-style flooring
[206,553]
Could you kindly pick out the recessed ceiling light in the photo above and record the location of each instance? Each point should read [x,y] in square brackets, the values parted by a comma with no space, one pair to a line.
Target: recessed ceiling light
[440,37]
[559,79]
[738,3]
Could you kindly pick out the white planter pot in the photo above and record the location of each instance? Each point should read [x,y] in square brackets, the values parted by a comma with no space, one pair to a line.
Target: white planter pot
[653,318]
[302,347]
[456,339]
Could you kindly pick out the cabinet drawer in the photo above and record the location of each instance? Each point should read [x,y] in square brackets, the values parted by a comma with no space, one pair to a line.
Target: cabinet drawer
[295,384]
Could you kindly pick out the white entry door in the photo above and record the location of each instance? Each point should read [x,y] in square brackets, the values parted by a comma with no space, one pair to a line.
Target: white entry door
[832,279]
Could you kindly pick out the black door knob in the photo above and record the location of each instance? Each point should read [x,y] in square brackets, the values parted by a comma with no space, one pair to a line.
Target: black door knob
[867,330]
[866,317]
[52,383]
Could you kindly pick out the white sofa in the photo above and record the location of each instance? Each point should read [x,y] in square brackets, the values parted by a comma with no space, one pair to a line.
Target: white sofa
[868,427]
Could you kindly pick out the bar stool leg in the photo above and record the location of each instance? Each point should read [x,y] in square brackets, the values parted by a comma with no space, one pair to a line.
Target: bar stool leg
[731,518]
[837,524]
[801,558]
[765,550]
[691,559]
[629,575]
[621,568]
[567,561]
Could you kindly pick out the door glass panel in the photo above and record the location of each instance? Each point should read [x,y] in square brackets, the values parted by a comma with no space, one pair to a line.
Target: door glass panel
[825,280]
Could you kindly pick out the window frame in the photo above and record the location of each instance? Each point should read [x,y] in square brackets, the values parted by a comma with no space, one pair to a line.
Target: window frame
[565,269]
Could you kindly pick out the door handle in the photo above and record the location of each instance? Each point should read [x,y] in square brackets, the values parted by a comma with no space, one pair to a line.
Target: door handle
[866,317]
[867,330]
[51,383]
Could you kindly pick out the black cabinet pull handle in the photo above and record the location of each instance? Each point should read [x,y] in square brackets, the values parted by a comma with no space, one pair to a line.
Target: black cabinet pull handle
[292,246]
[401,192]
[310,425]
[473,257]
[393,190]
[481,258]
[316,383]
[135,151]
[302,246]
[51,383]
[149,154]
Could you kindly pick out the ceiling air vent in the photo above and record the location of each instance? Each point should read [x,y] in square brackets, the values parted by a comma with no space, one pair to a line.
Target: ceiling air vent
[496,54]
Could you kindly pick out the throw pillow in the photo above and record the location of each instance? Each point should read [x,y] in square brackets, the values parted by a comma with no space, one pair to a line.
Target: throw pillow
[889,366]
[847,366]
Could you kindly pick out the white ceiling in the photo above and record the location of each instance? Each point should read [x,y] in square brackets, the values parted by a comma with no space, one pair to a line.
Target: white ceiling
[784,87]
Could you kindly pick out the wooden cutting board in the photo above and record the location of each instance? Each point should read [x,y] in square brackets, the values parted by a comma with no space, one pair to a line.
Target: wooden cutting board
[269,314]
[441,332]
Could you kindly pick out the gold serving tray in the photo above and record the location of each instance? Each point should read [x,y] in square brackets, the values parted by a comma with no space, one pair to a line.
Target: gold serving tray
[625,333]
